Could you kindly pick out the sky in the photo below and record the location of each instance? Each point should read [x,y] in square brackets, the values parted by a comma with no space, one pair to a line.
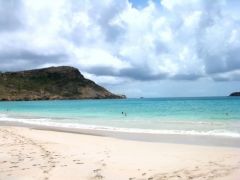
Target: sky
[138,48]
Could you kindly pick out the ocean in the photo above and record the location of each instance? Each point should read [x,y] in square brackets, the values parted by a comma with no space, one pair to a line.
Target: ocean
[213,116]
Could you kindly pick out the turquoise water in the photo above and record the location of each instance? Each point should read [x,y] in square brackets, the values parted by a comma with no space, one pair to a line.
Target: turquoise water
[206,116]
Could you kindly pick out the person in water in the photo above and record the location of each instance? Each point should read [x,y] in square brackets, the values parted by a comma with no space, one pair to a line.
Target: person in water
[124,113]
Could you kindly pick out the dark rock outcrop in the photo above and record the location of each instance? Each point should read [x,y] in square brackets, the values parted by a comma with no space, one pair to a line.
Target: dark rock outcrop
[51,83]
[235,94]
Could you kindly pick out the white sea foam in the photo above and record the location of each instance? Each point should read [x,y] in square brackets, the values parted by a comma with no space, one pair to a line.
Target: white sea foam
[49,123]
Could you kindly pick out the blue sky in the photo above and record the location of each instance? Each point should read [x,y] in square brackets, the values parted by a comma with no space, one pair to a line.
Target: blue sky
[138,48]
[139,3]
[142,3]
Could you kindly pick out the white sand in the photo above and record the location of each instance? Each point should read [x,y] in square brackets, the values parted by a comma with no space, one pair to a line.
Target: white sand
[27,154]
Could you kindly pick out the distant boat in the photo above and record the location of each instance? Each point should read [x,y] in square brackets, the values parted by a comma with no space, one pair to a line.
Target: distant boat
[141,97]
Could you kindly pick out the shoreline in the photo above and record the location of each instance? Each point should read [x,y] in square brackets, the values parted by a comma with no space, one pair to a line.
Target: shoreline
[202,140]
[30,153]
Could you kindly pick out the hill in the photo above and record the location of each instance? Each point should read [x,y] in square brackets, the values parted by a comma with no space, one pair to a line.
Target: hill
[235,94]
[51,83]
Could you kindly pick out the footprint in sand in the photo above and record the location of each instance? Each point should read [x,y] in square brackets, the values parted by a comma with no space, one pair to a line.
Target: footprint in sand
[13,162]
[13,167]
[132,178]
[79,163]
[98,176]
[25,169]
[96,170]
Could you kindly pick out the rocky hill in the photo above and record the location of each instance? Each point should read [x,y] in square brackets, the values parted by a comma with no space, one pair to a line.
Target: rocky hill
[235,94]
[49,84]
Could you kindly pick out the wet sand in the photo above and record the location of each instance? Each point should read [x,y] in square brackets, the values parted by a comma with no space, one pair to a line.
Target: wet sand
[27,154]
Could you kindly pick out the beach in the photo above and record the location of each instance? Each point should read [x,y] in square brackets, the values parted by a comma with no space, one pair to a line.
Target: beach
[119,90]
[28,153]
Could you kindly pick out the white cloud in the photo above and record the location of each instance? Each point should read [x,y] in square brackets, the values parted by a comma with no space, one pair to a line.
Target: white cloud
[114,41]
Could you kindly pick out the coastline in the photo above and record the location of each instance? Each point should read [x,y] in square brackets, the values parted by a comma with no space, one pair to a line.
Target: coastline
[204,140]
[57,154]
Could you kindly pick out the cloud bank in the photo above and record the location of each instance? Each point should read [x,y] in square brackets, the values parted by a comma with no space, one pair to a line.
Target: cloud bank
[117,41]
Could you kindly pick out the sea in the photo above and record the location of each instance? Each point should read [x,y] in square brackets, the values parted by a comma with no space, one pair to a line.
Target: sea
[206,116]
